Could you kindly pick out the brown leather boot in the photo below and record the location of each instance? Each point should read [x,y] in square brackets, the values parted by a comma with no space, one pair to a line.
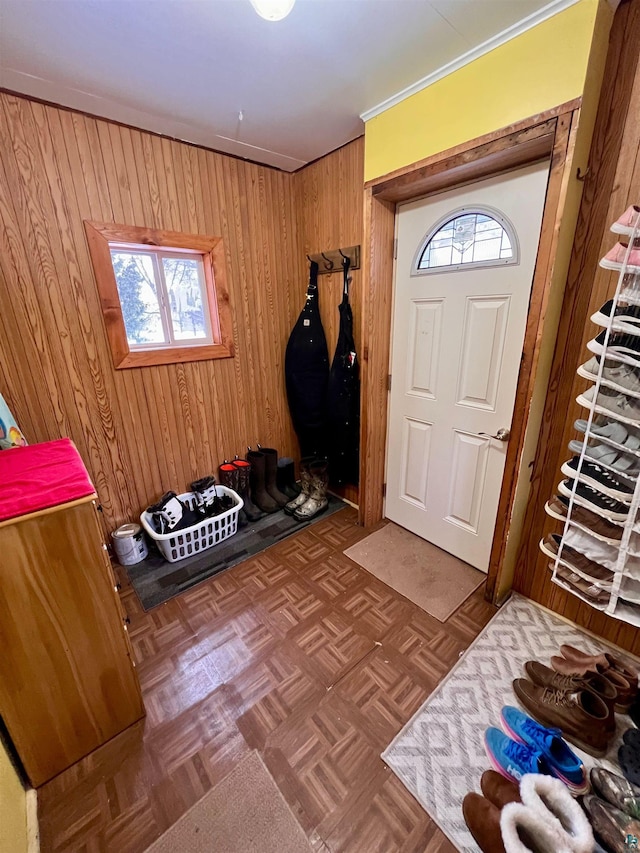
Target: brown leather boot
[582,716]
[543,676]
[498,789]
[483,821]
[608,661]
[626,692]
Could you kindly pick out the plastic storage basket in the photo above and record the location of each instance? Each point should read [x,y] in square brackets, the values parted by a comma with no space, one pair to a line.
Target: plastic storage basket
[205,534]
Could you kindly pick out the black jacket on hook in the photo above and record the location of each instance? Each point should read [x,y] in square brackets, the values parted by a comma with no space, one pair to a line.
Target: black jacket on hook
[306,367]
[343,398]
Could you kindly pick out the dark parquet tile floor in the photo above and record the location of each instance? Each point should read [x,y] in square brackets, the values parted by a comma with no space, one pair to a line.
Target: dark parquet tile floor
[298,653]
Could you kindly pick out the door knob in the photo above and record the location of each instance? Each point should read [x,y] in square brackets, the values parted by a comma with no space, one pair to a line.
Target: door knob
[503,434]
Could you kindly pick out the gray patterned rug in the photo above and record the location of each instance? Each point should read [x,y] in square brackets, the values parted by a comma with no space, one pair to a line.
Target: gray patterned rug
[439,755]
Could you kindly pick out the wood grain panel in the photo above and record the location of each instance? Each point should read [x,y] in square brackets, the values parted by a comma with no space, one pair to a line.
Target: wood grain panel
[612,183]
[60,614]
[328,197]
[142,431]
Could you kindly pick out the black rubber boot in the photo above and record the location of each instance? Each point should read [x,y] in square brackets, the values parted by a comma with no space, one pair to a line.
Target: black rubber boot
[243,468]
[271,476]
[229,476]
[259,494]
[286,478]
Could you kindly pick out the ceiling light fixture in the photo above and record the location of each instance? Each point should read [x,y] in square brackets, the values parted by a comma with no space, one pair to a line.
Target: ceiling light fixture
[273,10]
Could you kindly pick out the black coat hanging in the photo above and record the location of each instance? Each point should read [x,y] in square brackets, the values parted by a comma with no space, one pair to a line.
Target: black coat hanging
[343,397]
[306,367]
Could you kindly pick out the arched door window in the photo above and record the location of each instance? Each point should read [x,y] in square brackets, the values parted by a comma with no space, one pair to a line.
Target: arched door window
[468,238]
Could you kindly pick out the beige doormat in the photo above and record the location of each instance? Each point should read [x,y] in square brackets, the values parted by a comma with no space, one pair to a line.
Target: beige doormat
[244,813]
[436,581]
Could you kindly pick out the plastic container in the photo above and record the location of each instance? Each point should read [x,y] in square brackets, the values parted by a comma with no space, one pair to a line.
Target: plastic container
[205,534]
[129,545]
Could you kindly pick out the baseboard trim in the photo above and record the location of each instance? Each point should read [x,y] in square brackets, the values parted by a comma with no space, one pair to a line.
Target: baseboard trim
[33,833]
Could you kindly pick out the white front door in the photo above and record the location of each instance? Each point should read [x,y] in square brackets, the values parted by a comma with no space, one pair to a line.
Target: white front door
[460,312]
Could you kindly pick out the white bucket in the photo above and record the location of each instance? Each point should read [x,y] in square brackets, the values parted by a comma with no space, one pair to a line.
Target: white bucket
[129,544]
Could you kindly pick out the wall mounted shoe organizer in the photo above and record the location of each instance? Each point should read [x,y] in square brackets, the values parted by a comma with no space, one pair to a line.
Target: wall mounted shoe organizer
[597,557]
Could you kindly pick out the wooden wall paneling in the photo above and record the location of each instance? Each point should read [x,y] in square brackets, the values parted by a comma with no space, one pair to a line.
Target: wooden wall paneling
[147,429]
[377,272]
[612,182]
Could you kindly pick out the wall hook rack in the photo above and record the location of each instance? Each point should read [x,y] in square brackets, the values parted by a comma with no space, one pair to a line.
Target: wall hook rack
[329,262]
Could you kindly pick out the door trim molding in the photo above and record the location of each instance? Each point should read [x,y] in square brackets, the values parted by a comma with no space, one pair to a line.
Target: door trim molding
[550,134]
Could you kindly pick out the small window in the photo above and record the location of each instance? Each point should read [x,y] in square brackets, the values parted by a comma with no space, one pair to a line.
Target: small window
[163,294]
[468,238]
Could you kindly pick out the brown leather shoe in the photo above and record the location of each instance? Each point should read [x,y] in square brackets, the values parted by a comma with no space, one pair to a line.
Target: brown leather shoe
[626,692]
[582,716]
[605,659]
[543,676]
[483,821]
[556,508]
[498,789]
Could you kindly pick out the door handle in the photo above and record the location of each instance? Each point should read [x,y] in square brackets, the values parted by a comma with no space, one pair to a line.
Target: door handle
[503,434]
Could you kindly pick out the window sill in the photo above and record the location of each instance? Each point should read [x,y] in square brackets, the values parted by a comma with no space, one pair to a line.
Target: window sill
[172,355]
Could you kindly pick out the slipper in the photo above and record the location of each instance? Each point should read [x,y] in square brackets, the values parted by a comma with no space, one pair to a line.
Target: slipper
[632,738]
[629,761]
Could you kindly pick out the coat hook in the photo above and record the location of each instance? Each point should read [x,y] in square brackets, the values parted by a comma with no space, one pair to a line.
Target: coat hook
[328,262]
[582,176]
[309,259]
[344,257]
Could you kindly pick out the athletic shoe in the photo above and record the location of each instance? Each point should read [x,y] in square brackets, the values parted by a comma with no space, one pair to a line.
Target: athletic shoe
[629,221]
[616,257]
[577,562]
[622,377]
[584,519]
[576,584]
[626,318]
[620,347]
[610,457]
[624,437]
[513,759]
[594,500]
[627,409]
[598,477]
[562,761]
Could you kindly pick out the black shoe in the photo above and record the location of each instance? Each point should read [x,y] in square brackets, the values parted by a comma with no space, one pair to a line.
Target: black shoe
[286,478]
[259,494]
[629,314]
[271,476]
[210,503]
[598,477]
[620,345]
[593,499]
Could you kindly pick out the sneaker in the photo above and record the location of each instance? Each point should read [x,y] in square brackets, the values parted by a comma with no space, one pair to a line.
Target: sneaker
[577,585]
[624,437]
[513,759]
[594,500]
[577,562]
[584,519]
[620,347]
[562,761]
[622,377]
[621,256]
[598,477]
[619,405]
[626,318]
[629,221]
[617,460]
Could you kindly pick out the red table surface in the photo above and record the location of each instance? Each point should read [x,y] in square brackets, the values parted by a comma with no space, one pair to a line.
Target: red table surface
[40,476]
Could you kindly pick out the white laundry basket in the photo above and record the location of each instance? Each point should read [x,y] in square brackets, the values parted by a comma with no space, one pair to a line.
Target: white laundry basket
[205,534]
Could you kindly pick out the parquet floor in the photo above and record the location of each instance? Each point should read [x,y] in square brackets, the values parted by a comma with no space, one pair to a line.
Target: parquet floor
[298,653]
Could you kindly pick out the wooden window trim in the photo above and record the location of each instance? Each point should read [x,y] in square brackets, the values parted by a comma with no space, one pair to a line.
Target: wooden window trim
[100,236]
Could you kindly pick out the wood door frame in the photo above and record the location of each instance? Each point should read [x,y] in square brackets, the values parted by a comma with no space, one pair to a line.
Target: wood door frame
[550,134]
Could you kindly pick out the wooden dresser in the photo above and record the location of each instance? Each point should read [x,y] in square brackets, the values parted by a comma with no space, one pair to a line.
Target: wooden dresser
[67,679]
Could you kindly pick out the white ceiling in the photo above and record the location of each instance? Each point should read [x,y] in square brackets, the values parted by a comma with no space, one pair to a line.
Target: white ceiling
[186,68]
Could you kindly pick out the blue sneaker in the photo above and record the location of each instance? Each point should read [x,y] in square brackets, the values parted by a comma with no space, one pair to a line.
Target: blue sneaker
[513,759]
[562,761]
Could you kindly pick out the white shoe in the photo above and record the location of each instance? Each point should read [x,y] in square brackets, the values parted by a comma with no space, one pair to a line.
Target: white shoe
[628,222]
[625,438]
[550,799]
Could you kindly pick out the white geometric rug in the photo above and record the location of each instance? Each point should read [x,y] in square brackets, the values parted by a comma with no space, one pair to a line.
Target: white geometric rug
[439,754]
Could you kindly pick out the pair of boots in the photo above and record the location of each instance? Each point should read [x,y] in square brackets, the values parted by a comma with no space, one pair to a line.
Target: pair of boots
[541,817]
[312,500]
[255,480]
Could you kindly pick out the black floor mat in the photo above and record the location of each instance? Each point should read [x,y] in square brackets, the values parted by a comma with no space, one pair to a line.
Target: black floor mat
[156,581]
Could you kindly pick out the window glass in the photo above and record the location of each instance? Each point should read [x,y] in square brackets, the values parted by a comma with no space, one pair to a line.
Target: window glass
[138,291]
[467,238]
[184,287]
